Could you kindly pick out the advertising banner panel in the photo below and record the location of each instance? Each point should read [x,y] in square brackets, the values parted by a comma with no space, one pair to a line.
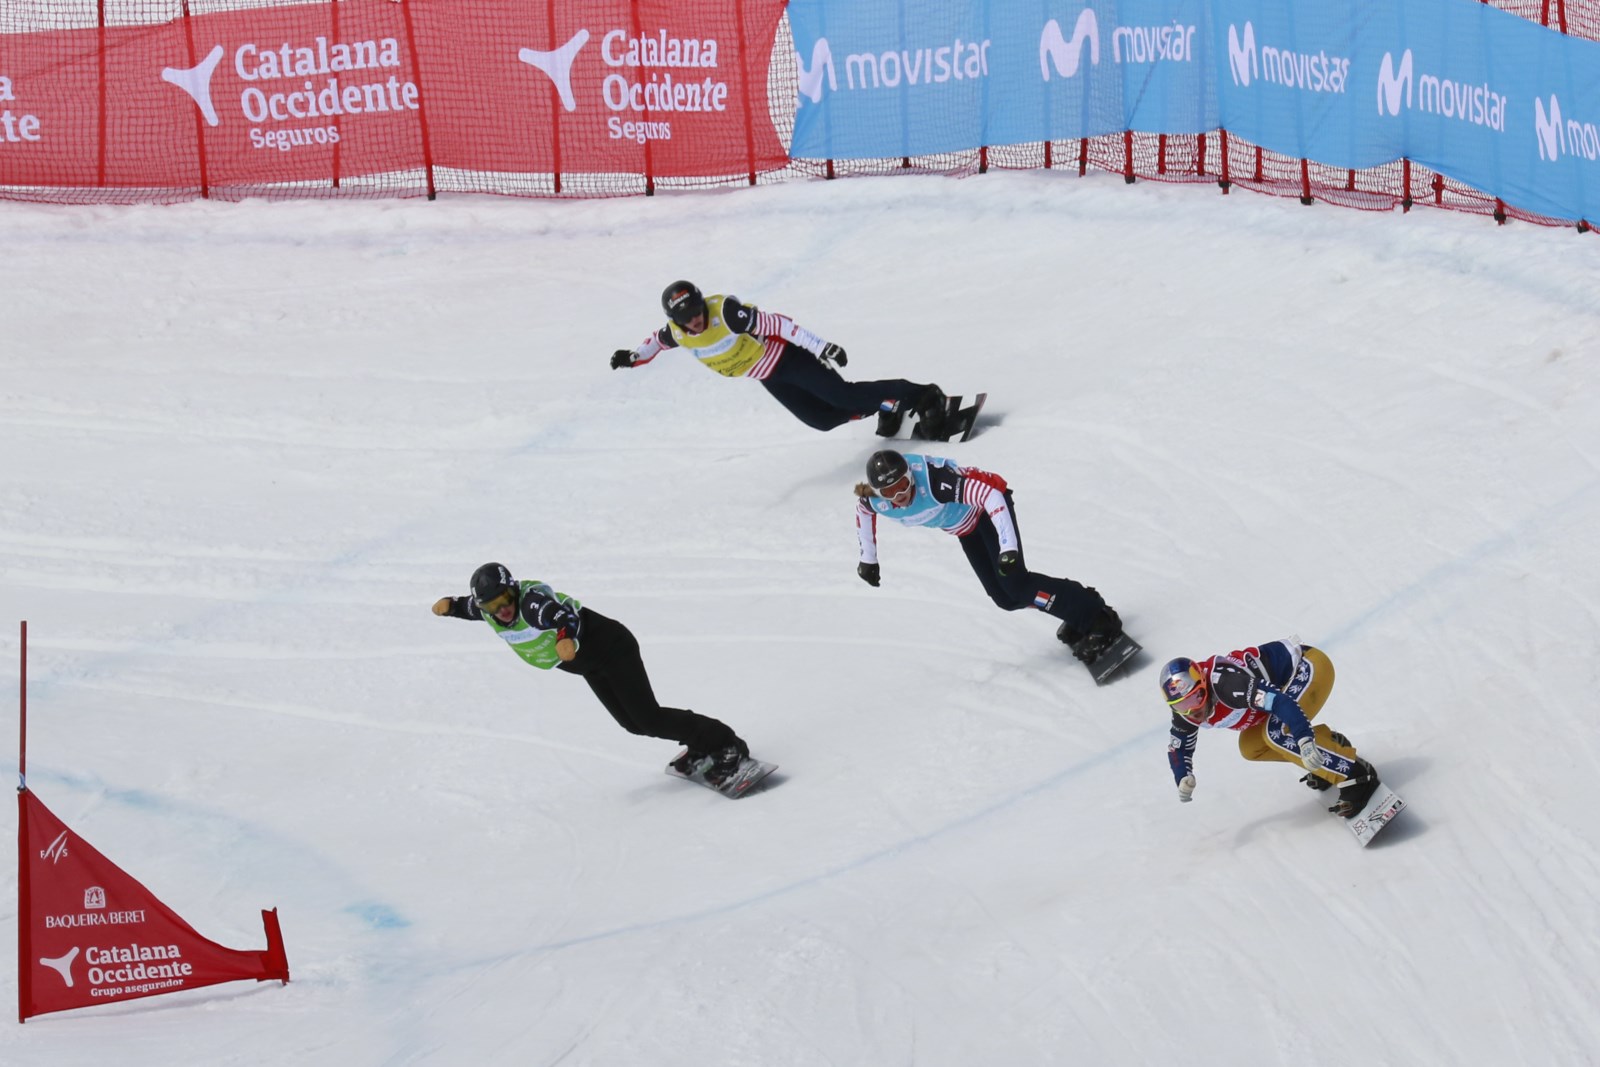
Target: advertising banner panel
[1475,93]
[318,91]
[596,86]
[916,77]
[89,933]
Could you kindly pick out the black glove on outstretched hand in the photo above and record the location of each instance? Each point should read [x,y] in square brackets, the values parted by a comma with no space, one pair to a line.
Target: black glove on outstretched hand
[832,353]
[622,357]
[868,572]
[1008,563]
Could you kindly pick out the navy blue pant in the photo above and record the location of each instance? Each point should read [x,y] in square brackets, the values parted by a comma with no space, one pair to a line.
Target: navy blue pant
[818,395]
[1072,603]
[609,660]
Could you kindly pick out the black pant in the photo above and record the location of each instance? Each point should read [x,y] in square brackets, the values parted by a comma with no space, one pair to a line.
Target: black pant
[1072,603]
[818,396]
[608,659]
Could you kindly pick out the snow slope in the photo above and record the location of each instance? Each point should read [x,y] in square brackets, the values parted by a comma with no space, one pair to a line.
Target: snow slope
[246,446]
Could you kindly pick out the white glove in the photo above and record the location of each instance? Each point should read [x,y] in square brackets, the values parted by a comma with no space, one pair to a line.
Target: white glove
[1310,754]
[1186,788]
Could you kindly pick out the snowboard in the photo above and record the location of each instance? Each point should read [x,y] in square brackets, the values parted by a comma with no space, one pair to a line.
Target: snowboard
[1111,660]
[751,772]
[1379,812]
[959,421]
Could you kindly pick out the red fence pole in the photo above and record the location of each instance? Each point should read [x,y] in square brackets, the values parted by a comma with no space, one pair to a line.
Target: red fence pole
[744,72]
[649,164]
[338,146]
[24,899]
[422,106]
[199,120]
[555,109]
[100,125]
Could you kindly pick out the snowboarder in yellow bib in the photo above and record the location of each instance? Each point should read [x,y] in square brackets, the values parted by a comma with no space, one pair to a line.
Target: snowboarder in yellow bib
[796,366]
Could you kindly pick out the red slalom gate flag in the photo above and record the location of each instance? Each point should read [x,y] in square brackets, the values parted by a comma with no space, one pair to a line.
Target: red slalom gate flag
[89,933]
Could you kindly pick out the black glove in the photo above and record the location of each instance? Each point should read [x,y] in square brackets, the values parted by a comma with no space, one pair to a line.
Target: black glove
[1008,561]
[868,572]
[622,357]
[832,353]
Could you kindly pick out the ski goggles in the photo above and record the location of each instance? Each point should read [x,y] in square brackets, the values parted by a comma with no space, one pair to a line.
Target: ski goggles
[1192,700]
[894,491]
[496,604]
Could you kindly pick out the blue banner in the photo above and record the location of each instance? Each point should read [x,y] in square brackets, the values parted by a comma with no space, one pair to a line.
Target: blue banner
[1492,100]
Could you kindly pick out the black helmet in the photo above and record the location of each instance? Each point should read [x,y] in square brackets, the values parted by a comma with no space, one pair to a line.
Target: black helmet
[489,581]
[682,301]
[885,468]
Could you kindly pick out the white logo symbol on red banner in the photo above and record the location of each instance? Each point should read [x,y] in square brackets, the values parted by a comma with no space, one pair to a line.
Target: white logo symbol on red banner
[196,81]
[62,965]
[557,65]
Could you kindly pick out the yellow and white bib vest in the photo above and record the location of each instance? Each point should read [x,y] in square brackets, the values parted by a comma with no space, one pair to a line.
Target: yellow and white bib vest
[724,351]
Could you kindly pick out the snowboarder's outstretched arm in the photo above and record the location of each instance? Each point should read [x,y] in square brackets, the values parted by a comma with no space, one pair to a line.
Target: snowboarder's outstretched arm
[1180,749]
[457,607]
[866,536]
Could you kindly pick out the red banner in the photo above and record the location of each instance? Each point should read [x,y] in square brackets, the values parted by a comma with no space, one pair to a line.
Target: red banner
[88,933]
[328,92]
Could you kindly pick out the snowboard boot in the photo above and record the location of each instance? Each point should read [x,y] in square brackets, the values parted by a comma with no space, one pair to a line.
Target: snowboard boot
[1356,790]
[690,762]
[890,415]
[725,763]
[1092,644]
[931,407]
[1312,781]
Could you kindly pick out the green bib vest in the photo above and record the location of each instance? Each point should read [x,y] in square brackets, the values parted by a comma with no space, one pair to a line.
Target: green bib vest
[538,647]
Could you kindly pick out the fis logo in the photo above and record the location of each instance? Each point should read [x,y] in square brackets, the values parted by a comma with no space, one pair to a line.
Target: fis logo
[1065,54]
[62,965]
[557,65]
[56,850]
[196,81]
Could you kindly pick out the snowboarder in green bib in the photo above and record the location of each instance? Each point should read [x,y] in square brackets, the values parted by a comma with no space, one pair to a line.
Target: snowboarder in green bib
[550,629]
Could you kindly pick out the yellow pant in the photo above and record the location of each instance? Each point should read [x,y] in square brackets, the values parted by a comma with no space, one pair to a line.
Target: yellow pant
[1255,744]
